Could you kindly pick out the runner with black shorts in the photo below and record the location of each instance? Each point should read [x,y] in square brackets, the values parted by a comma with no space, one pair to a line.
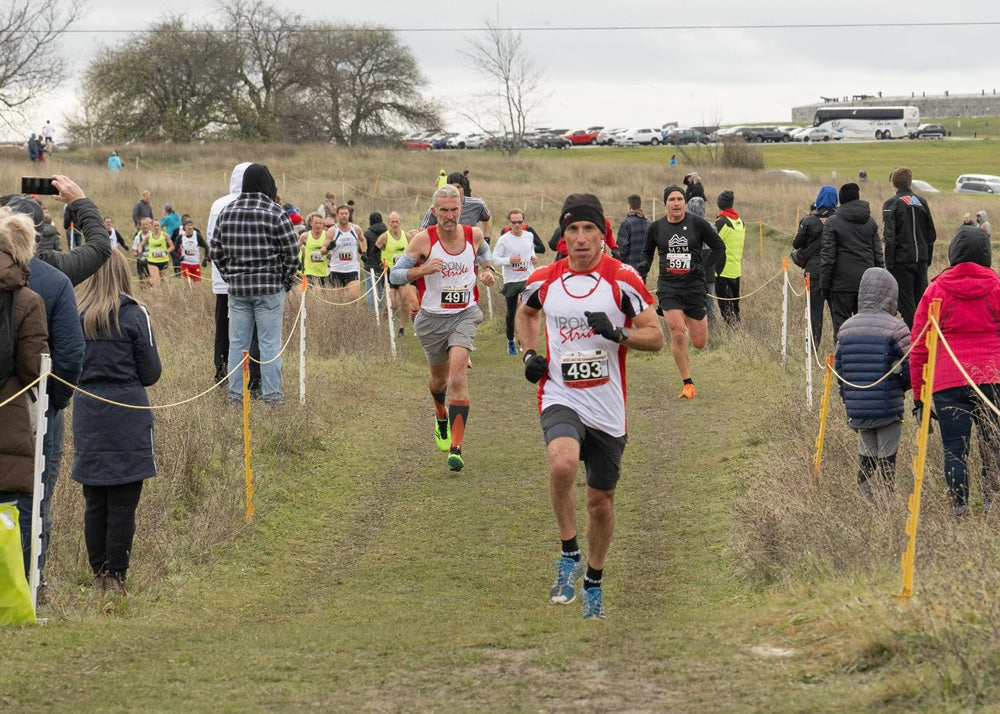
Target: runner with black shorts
[680,287]
[442,260]
[595,308]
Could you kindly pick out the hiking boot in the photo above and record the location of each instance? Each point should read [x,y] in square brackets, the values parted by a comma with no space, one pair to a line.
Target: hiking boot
[511,347]
[687,393]
[100,583]
[593,604]
[455,460]
[443,441]
[115,585]
[563,590]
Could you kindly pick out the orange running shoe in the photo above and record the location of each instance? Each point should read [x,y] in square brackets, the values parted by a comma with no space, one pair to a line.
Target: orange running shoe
[687,393]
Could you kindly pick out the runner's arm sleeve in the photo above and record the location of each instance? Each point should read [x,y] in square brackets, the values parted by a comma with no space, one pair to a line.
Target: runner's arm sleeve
[397,276]
[483,255]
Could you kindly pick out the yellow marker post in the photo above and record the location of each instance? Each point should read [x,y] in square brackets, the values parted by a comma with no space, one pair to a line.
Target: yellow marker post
[907,561]
[823,409]
[247,451]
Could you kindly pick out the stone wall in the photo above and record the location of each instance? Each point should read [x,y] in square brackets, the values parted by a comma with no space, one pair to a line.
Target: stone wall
[940,106]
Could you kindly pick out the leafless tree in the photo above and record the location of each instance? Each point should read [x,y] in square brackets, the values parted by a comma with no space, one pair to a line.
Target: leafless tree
[30,63]
[499,54]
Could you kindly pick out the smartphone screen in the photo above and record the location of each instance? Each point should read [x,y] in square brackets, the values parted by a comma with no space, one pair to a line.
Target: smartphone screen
[32,184]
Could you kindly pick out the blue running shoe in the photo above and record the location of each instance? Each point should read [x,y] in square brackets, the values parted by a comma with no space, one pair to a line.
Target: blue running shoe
[455,460]
[593,604]
[443,441]
[511,347]
[563,590]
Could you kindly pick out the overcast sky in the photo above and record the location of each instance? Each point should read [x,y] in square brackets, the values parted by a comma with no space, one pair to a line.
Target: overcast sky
[641,77]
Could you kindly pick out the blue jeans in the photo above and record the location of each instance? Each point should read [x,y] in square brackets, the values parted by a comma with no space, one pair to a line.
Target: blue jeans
[267,313]
[379,288]
[52,448]
[958,408]
[23,502]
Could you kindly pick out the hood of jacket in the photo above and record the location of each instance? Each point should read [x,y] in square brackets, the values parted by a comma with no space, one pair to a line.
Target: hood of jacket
[826,198]
[981,216]
[855,211]
[12,275]
[236,180]
[878,291]
[967,280]
[970,245]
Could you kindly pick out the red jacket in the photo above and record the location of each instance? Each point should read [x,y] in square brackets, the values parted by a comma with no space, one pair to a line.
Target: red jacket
[970,322]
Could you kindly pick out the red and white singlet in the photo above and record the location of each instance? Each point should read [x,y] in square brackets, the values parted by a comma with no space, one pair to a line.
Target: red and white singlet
[454,288]
[586,371]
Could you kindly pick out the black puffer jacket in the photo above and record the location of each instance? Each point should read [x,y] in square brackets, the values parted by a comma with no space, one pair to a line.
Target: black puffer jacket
[808,240]
[80,263]
[373,256]
[850,245]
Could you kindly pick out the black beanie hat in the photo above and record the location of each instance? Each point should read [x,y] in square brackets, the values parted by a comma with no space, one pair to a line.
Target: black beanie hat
[374,217]
[725,199]
[457,177]
[581,207]
[670,189]
[849,192]
[970,245]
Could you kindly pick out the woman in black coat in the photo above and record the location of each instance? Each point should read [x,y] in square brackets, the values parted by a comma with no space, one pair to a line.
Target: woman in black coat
[113,444]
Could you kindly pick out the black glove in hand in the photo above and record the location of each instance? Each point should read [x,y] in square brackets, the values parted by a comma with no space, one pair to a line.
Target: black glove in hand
[600,323]
[535,366]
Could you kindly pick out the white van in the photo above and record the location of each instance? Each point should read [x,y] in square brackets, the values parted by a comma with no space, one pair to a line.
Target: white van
[994,181]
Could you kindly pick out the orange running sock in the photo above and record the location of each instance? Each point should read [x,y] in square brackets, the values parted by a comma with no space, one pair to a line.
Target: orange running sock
[458,415]
[440,412]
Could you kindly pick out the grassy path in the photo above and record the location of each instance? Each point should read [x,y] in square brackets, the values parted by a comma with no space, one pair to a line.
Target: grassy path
[376,580]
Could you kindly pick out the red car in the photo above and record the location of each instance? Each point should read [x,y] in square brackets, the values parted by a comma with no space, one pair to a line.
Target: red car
[582,136]
[417,145]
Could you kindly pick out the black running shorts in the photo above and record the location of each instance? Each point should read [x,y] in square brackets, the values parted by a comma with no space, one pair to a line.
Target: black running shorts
[601,453]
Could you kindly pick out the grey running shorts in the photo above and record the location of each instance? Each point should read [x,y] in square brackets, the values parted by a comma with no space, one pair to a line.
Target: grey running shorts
[438,333]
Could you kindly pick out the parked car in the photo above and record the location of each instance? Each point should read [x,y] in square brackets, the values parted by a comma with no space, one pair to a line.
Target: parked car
[441,140]
[467,140]
[581,137]
[547,141]
[610,137]
[680,137]
[980,187]
[761,134]
[813,133]
[922,186]
[636,137]
[415,144]
[978,178]
[929,131]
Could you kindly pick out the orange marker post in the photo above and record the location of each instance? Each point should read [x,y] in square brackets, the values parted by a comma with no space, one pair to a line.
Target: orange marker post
[247,450]
[824,408]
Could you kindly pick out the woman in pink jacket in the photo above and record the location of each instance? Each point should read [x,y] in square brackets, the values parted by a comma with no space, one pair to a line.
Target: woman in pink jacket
[970,321]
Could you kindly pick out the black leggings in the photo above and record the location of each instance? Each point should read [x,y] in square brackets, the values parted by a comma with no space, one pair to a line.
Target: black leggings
[511,312]
[222,343]
[109,526]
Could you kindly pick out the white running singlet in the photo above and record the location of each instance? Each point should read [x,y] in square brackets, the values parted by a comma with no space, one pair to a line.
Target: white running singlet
[343,251]
[586,371]
[189,249]
[454,288]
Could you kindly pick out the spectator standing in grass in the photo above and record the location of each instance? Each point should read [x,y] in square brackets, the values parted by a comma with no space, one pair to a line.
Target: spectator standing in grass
[733,233]
[908,231]
[372,260]
[48,236]
[143,208]
[115,162]
[694,186]
[850,245]
[969,290]
[984,225]
[807,242]
[632,232]
[871,343]
[113,445]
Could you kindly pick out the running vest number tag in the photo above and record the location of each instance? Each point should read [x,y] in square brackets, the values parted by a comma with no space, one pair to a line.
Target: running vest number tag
[586,368]
[679,263]
[316,256]
[159,253]
[345,255]
[455,298]
[520,266]
[190,251]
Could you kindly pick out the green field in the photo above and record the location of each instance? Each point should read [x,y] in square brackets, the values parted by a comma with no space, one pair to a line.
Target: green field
[372,579]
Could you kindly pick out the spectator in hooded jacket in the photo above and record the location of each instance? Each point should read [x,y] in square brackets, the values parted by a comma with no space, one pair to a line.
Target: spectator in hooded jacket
[113,445]
[909,235]
[870,345]
[632,232]
[984,225]
[733,233]
[850,245]
[25,310]
[807,242]
[970,322]
[372,259]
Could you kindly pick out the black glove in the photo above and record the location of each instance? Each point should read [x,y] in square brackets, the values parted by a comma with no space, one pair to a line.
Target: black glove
[600,323]
[643,270]
[535,366]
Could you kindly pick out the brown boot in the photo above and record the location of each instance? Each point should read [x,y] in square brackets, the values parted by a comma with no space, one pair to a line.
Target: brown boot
[100,583]
[115,585]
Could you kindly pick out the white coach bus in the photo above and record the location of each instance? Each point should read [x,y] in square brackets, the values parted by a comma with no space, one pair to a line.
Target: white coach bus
[868,122]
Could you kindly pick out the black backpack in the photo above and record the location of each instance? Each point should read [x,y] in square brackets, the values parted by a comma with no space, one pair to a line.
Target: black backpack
[8,334]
